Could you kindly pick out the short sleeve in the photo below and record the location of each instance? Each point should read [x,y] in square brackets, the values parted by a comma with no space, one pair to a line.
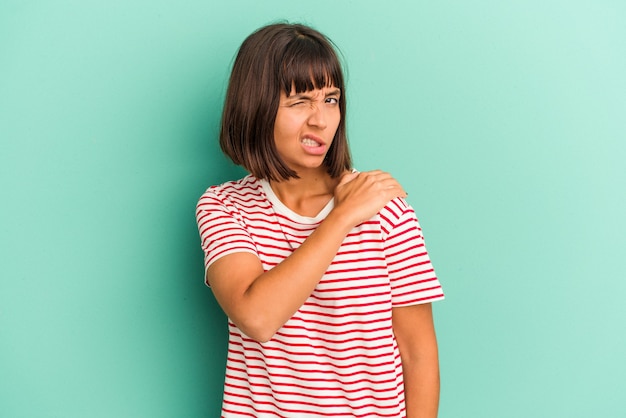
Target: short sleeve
[222,229]
[412,276]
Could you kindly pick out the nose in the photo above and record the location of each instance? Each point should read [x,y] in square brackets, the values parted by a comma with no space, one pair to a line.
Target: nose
[317,117]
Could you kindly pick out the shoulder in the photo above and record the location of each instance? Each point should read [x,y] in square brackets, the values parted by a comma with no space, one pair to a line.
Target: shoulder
[396,209]
[244,189]
[397,213]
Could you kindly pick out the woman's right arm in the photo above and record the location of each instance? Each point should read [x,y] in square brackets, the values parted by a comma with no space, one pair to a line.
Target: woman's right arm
[259,302]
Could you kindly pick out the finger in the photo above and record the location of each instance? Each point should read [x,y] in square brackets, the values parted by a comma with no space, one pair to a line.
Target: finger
[348,177]
[377,175]
[393,187]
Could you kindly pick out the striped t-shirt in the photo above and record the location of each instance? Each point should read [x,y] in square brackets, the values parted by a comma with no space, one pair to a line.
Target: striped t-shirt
[337,355]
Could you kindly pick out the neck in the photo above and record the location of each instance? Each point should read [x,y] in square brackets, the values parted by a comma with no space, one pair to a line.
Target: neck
[308,184]
[308,194]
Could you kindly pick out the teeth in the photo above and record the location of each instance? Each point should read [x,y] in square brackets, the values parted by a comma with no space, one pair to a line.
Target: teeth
[309,142]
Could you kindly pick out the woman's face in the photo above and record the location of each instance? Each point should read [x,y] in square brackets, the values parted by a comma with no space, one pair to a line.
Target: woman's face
[305,126]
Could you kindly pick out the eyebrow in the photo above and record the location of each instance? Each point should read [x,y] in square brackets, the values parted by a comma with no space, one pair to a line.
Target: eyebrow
[305,95]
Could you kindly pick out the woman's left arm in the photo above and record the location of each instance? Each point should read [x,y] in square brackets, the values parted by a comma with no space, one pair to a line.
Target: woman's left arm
[415,332]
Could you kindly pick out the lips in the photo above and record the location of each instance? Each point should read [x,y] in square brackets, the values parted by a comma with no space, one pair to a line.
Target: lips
[313,144]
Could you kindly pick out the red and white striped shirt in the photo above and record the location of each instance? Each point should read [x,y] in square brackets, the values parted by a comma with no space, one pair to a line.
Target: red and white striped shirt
[337,356]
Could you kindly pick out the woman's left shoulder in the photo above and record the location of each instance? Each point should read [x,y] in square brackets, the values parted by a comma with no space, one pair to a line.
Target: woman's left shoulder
[397,207]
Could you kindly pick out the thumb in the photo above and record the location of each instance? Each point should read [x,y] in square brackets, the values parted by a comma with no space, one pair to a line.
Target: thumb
[348,177]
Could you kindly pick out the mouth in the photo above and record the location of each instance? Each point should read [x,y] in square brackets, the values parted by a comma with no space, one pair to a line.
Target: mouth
[312,141]
[313,144]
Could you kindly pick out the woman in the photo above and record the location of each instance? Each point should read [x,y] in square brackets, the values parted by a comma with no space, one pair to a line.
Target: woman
[321,270]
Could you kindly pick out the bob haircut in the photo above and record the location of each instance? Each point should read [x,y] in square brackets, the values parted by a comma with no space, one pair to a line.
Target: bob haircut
[276,58]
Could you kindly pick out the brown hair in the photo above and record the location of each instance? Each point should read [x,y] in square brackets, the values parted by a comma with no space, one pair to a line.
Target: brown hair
[273,59]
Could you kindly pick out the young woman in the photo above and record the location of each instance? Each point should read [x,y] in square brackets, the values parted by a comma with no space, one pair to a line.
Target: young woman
[321,270]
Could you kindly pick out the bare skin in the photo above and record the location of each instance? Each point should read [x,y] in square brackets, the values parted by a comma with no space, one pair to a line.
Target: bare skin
[415,332]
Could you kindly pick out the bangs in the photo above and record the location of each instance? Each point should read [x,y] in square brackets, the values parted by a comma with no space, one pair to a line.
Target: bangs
[308,65]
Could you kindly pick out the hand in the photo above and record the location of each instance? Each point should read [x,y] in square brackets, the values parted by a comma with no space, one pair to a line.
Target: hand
[359,196]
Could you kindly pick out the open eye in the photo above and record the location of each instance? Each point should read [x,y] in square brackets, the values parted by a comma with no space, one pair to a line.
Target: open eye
[332,100]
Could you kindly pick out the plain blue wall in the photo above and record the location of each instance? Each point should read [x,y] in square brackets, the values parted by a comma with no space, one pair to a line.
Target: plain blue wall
[503,120]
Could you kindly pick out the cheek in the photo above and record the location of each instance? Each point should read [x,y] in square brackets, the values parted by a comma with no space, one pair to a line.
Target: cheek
[280,127]
[286,123]
[285,130]
[336,120]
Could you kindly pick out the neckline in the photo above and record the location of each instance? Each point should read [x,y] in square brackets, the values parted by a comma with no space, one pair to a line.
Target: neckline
[281,208]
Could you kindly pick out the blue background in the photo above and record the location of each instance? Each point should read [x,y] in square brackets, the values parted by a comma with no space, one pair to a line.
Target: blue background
[505,122]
